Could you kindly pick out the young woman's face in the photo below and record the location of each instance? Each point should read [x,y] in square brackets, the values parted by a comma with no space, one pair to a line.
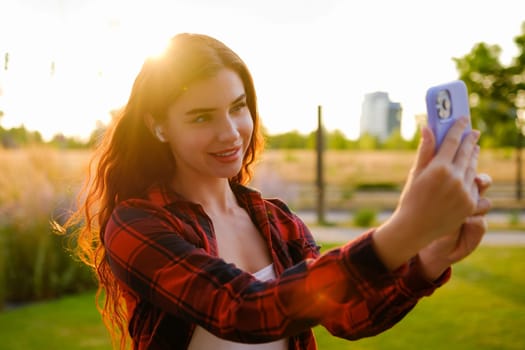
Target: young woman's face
[209,128]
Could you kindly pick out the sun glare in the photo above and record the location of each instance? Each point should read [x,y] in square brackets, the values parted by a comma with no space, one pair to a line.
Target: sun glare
[76,79]
[156,49]
[80,62]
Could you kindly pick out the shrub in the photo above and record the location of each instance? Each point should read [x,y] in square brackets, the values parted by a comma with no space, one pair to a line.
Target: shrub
[40,266]
[36,186]
[514,218]
[365,217]
[377,186]
[3,289]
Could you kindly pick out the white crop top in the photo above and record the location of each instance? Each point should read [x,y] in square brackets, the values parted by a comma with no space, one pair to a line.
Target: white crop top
[204,340]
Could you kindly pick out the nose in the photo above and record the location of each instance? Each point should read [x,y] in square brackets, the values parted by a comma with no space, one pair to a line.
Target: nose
[228,129]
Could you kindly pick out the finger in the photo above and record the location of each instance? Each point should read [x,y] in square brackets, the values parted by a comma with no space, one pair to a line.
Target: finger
[484,181]
[472,165]
[476,224]
[470,175]
[452,140]
[466,151]
[483,206]
[425,151]
[473,231]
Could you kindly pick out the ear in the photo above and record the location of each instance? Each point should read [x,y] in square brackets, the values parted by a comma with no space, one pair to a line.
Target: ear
[154,128]
[160,133]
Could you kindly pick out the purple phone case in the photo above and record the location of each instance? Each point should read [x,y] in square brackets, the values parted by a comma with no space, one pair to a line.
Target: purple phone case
[459,106]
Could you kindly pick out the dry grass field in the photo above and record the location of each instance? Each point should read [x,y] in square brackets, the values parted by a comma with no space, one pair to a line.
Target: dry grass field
[371,166]
[31,179]
[34,181]
[292,174]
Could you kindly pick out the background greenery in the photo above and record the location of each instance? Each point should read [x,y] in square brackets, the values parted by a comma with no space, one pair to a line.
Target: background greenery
[38,184]
[481,307]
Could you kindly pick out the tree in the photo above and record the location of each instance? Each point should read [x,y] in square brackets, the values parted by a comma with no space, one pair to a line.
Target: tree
[368,142]
[18,137]
[337,140]
[497,96]
[496,92]
[289,140]
[492,108]
[396,141]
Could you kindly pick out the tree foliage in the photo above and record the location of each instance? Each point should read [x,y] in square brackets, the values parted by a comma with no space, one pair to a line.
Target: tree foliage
[496,91]
[337,140]
[18,136]
[289,140]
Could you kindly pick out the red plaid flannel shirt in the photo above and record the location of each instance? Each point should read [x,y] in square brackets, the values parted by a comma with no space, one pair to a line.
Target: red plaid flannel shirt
[163,252]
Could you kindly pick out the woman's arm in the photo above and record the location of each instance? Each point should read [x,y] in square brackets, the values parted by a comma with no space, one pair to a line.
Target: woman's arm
[149,255]
[401,236]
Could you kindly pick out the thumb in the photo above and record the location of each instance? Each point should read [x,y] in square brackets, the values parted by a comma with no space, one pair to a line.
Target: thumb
[426,149]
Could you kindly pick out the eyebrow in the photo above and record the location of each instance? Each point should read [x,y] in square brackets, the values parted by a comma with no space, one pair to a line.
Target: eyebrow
[207,110]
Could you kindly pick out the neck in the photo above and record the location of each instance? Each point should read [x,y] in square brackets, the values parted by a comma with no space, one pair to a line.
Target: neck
[215,196]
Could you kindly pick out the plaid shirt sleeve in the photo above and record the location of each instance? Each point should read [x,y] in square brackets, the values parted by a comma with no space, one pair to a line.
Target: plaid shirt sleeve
[385,297]
[347,289]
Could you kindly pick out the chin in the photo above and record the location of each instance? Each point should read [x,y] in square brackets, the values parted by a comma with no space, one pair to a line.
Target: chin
[223,173]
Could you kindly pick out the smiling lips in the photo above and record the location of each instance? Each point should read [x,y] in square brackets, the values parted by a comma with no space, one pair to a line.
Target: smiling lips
[228,155]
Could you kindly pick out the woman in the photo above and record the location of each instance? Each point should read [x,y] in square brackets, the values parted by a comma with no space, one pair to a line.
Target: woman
[188,257]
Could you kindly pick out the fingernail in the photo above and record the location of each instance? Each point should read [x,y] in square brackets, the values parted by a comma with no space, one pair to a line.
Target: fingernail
[485,178]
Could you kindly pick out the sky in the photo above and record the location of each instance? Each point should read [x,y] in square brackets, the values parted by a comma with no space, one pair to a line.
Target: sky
[302,53]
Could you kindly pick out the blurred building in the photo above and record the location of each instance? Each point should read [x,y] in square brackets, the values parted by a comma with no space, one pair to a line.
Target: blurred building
[379,115]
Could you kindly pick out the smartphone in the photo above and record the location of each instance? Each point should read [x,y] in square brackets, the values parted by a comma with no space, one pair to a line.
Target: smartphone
[445,104]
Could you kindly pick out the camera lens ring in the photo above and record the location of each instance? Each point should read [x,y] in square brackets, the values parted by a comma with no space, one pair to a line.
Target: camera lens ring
[443,104]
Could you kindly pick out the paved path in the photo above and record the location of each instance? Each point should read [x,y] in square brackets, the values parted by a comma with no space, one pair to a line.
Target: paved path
[344,234]
[339,234]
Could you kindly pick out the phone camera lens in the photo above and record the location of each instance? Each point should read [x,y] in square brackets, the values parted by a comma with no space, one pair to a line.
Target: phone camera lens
[443,104]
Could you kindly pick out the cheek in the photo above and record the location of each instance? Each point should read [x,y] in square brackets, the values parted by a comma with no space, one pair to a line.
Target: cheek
[185,145]
[246,125]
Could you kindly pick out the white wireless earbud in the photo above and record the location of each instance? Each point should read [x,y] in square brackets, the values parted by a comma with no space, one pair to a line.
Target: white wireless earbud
[159,134]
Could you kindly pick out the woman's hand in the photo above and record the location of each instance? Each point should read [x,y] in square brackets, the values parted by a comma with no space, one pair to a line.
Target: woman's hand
[441,190]
[440,194]
[435,258]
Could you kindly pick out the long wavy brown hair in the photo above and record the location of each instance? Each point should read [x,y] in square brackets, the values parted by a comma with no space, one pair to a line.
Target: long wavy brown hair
[129,158]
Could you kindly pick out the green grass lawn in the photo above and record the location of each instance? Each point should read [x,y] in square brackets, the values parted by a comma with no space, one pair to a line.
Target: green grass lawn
[68,323]
[482,307]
